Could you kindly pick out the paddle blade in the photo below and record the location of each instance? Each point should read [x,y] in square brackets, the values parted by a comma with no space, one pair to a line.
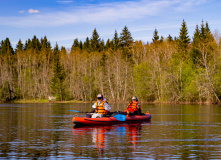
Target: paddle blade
[119,117]
[73,110]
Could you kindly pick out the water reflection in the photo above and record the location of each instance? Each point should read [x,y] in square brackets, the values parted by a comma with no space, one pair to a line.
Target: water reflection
[44,131]
[101,136]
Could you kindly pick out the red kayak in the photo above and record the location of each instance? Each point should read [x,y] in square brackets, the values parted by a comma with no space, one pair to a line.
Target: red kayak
[110,120]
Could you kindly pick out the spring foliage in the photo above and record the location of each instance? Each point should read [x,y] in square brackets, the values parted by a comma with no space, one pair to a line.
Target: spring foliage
[172,69]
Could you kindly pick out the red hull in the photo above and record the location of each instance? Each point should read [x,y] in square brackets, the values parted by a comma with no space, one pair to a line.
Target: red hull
[109,120]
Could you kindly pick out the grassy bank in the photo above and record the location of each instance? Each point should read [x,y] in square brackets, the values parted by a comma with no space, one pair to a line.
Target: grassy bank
[45,101]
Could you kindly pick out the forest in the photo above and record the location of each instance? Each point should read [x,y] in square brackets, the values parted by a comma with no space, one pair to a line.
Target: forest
[182,69]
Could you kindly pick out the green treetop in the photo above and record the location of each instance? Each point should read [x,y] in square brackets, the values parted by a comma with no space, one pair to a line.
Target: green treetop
[95,41]
[155,36]
[86,44]
[161,39]
[107,45]
[19,46]
[126,42]
[169,38]
[35,44]
[196,36]
[205,33]
[207,28]
[76,43]
[183,40]
[195,46]
[125,38]
[102,45]
[115,41]
[45,43]
[80,45]
[6,47]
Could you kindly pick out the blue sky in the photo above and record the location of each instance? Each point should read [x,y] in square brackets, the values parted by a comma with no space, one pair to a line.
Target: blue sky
[64,20]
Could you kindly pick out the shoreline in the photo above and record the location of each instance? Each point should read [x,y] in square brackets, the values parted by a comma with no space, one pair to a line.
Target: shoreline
[78,101]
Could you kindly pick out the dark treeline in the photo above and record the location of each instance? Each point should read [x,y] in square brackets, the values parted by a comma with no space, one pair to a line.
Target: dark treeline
[175,69]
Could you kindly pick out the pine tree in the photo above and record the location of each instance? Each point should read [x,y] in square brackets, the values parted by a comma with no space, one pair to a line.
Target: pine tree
[169,38]
[86,44]
[103,59]
[161,39]
[102,45]
[183,40]
[63,50]
[6,48]
[45,43]
[202,31]
[28,44]
[155,36]
[196,36]
[8,83]
[207,28]
[112,46]
[80,45]
[126,42]
[57,85]
[35,44]
[19,46]
[195,45]
[76,43]
[205,33]
[107,44]
[95,41]
[116,41]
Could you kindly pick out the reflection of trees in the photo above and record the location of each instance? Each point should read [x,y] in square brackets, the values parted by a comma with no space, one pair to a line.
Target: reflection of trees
[102,138]
[29,131]
[183,131]
[38,131]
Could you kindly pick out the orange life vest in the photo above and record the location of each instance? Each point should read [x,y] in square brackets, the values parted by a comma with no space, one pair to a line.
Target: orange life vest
[99,108]
[132,106]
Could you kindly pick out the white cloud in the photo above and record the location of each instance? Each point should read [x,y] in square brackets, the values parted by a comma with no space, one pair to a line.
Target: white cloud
[64,2]
[186,4]
[102,13]
[22,11]
[33,11]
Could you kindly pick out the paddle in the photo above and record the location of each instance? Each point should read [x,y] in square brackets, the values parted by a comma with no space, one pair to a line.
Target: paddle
[77,111]
[86,112]
[119,117]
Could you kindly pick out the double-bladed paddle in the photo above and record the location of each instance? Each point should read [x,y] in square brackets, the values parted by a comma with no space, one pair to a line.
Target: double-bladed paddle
[119,117]
[78,111]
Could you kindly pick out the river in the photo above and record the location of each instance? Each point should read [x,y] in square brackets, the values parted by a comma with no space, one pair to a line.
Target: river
[45,131]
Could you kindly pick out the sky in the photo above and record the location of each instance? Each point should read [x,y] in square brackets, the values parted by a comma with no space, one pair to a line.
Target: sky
[62,21]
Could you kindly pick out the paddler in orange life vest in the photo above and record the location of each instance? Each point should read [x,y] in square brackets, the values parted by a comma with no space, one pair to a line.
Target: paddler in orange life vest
[101,107]
[133,107]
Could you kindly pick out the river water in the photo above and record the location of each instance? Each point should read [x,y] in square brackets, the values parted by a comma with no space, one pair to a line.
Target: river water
[45,131]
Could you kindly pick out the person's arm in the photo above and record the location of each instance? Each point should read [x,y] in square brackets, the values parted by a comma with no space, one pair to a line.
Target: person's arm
[94,105]
[138,107]
[107,106]
[127,107]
